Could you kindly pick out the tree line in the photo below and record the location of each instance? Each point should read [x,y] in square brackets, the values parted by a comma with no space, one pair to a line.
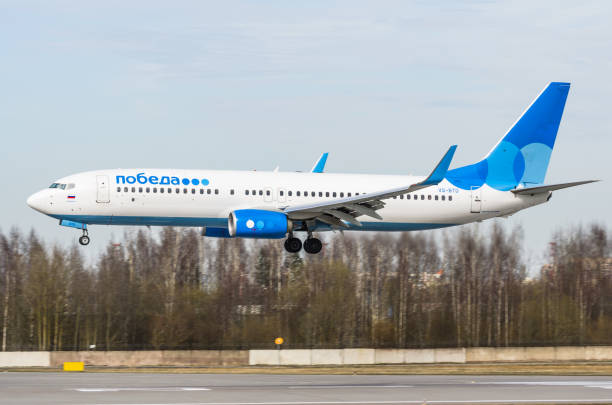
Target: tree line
[173,289]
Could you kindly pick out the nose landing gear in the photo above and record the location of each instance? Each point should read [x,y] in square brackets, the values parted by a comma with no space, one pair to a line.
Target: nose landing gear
[84,240]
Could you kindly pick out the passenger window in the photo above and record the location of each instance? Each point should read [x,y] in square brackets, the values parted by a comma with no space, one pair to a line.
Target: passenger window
[216,191]
[246,192]
[232,191]
[260,192]
[140,189]
[327,194]
[334,194]
[133,189]
[184,191]
[267,192]
[305,193]
[401,196]
[148,190]
[312,194]
[125,189]
[209,191]
[429,196]
[201,191]
[178,190]
[348,195]
[422,196]
[297,194]
[356,193]
[320,194]
[450,198]
[282,193]
[193,191]
[342,194]
[436,197]
[155,189]
[254,192]
[443,197]
[161,190]
[407,196]
[118,189]
[289,193]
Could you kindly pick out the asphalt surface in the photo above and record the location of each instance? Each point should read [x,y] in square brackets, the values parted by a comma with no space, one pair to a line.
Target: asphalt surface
[140,388]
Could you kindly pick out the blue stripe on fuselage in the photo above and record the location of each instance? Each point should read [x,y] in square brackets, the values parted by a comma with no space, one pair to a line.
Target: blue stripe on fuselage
[222,222]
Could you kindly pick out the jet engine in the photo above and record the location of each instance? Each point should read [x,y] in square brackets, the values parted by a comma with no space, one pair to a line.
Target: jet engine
[258,224]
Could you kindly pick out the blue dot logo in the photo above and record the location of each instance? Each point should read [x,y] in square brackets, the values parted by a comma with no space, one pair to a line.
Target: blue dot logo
[195,182]
[205,182]
[259,224]
[185,182]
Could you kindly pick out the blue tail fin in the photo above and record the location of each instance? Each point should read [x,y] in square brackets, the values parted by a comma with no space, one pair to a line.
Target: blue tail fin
[522,155]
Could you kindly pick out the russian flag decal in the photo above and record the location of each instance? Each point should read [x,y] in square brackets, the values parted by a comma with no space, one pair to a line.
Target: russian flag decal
[71,197]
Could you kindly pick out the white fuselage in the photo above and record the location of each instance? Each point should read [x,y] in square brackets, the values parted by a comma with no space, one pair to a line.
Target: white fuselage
[122,197]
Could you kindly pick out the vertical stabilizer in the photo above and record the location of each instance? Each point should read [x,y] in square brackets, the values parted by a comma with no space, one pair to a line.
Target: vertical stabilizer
[523,154]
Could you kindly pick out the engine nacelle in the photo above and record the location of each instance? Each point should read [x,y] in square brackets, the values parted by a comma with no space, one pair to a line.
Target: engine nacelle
[258,224]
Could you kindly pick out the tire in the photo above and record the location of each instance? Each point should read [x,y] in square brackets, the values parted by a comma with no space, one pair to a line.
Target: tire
[312,245]
[84,240]
[293,245]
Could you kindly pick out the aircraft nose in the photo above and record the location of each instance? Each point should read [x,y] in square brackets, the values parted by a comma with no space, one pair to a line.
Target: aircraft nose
[37,201]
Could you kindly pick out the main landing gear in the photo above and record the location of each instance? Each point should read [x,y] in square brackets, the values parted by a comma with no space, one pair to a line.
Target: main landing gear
[311,245]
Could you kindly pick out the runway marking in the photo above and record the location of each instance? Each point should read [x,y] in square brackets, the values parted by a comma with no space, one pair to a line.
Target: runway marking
[422,401]
[298,387]
[607,385]
[166,389]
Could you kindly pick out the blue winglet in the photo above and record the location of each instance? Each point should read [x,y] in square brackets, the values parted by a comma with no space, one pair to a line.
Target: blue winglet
[438,174]
[320,165]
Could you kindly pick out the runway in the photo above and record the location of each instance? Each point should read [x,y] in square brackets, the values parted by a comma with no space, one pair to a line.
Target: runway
[250,389]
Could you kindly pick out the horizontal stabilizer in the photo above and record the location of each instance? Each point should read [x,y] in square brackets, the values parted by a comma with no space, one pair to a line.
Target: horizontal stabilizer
[551,187]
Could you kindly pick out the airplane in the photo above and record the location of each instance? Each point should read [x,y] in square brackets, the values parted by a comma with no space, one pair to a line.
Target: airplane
[277,205]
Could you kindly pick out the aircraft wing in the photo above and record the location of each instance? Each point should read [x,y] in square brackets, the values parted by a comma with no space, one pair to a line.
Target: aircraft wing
[335,212]
[319,166]
[551,187]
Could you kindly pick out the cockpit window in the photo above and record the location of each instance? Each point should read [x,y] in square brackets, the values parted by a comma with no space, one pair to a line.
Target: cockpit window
[70,186]
[58,185]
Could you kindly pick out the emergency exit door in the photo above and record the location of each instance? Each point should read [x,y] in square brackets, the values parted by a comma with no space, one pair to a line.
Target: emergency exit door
[103,195]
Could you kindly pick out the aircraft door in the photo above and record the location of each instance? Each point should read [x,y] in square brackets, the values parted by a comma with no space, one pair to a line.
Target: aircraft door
[476,204]
[103,189]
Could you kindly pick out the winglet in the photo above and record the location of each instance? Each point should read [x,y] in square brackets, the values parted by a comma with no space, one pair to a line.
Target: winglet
[320,165]
[438,174]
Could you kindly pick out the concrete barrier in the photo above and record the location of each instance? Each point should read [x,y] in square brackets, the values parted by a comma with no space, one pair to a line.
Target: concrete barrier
[449,355]
[419,356]
[207,358]
[24,359]
[264,357]
[327,356]
[598,353]
[359,356]
[389,356]
[174,358]
[295,357]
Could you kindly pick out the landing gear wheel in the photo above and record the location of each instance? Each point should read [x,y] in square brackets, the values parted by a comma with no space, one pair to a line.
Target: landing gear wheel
[312,245]
[84,240]
[293,245]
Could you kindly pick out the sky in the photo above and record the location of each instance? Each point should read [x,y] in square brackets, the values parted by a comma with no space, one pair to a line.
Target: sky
[384,87]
